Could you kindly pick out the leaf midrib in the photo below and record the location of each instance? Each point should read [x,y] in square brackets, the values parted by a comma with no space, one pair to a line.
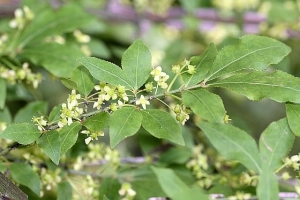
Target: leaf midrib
[252,52]
[47,27]
[162,125]
[240,147]
[50,144]
[68,132]
[253,83]
[119,77]
[121,128]
[203,104]
[188,82]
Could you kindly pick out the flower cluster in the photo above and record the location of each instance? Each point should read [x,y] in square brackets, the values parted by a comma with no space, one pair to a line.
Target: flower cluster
[80,37]
[89,189]
[182,113]
[221,31]
[160,77]
[92,135]
[40,122]
[99,153]
[70,110]
[50,178]
[108,92]
[112,156]
[186,64]
[23,74]
[248,179]
[199,164]
[22,16]
[293,162]
[240,196]
[127,192]
[83,39]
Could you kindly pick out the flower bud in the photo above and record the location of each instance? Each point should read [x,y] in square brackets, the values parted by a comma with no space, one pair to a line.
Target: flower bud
[176,69]
[177,109]
[149,87]
[191,69]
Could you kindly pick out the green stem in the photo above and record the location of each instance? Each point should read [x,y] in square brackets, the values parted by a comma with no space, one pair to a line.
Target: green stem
[176,76]
[172,82]
[156,96]
[174,96]
[156,88]
[281,167]
[162,102]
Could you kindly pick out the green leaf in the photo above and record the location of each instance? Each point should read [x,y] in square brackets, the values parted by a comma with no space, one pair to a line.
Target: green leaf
[5,116]
[35,5]
[68,136]
[174,187]
[49,142]
[109,188]
[58,59]
[176,155]
[97,122]
[23,174]
[191,5]
[2,93]
[84,80]
[22,133]
[279,86]
[161,124]
[252,52]
[32,109]
[267,188]
[54,114]
[275,143]
[147,142]
[293,116]
[68,83]
[99,48]
[136,64]
[143,178]
[105,71]
[233,144]
[207,105]
[123,123]
[50,22]
[65,191]
[202,64]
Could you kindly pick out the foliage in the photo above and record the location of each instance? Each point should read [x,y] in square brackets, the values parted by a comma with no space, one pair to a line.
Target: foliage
[186,145]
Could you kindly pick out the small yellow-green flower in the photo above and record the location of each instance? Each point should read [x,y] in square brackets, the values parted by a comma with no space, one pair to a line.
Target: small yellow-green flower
[149,87]
[191,69]
[176,69]
[157,73]
[142,101]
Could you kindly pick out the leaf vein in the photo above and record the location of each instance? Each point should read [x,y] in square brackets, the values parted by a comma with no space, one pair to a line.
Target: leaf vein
[240,59]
